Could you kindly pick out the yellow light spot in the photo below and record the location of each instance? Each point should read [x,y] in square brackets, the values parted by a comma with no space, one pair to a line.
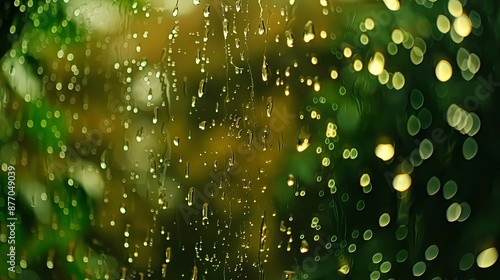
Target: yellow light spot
[314,60]
[364,180]
[344,269]
[334,74]
[397,36]
[384,220]
[331,130]
[443,71]
[291,180]
[364,39]
[443,24]
[455,8]
[309,32]
[347,52]
[401,182]
[392,5]
[358,65]
[462,25]
[376,64]
[369,24]
[398,80]
[383,78]
[384,152]
[487,257]
[453,212]
[317,86]
[303,146]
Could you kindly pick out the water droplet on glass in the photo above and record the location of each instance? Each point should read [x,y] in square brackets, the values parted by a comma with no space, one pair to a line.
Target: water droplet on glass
[262,27]
[289,38]
[303,141]
[201,88]
[139,136]
[269,106]
[168,254]
[309,33]
[304,246]
[265,69]
[190,196]
[204,214]
[487,257]
[202,125]
[150,94]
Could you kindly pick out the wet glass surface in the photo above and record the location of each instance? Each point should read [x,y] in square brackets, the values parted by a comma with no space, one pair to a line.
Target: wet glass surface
[239,139]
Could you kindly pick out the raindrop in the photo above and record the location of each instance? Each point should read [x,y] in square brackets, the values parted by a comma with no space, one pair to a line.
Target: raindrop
[269,106]
[202,125]
[201,88]
[265,69]
[309,33]
[150,94]
[304,141]
[175,12]
[155,115]
[204,214]
[168,254]
[262,27]
[289,38]
[206,11]
[186,173]
[194,276]
[190,196]
[125,145]
[288,274]
[225,28]
[139,136]
[304,246]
